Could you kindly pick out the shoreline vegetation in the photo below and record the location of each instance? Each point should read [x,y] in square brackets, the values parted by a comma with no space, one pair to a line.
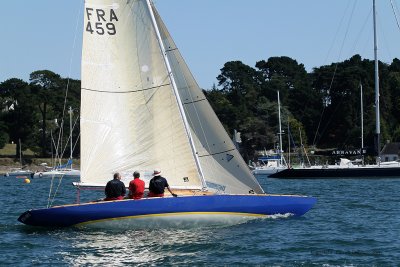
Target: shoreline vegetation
[320,109]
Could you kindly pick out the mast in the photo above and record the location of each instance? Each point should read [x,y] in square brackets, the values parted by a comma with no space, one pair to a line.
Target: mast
[280,130]
[20,152]
[288,134]
[362,122]
[176,92]
[70,132]
[378,130]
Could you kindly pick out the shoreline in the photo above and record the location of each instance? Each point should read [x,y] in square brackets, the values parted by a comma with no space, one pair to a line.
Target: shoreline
[36,164]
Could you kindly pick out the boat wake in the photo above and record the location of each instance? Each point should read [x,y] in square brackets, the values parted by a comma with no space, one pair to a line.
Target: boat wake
[279,216]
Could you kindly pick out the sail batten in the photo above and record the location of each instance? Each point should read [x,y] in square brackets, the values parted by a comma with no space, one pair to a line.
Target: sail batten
[127,92]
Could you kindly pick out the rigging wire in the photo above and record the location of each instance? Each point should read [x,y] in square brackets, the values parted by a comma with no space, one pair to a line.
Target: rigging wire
[49,197]
[326,59]
[69,75]
[334,73]
[395,14]
[69,137]
[360,32]
[337,32]
[385,43]
[50,202]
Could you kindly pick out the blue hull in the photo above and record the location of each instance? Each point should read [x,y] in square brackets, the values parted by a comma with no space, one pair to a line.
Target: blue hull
[186,206]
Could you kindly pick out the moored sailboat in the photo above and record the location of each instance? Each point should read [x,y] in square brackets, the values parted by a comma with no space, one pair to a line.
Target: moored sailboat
[270,164]
[141,108]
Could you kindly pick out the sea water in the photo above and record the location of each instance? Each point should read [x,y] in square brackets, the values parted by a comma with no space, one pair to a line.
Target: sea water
[354,223]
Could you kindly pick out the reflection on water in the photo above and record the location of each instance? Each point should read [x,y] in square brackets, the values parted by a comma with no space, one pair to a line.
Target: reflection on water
[172,246]
[138,247]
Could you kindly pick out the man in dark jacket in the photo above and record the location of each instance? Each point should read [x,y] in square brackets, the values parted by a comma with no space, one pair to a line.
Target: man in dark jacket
[158,184]
[115,189]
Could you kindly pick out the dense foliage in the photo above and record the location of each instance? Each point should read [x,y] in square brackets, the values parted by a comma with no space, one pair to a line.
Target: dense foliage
[34,114]
[320,109]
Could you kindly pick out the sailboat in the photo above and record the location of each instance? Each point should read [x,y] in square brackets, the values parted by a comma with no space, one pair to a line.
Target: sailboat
[142,109]
[61,170]
[19,172]
[270,164]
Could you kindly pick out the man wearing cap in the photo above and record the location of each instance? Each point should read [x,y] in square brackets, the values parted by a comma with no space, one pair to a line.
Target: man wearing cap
[158,184]
[136,186]
[115,189]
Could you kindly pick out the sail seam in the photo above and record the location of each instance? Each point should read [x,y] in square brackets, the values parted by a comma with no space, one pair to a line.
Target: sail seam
[126,92]
[217,153]
[192,102]
[170,50]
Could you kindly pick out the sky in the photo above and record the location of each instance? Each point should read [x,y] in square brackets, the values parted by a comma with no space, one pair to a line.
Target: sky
[47,34]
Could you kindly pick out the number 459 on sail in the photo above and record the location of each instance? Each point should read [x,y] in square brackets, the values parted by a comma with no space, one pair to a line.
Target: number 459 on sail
[101,22]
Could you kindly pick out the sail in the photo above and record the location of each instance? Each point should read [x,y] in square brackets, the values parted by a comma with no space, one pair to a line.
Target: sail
[223,167]
[130,119]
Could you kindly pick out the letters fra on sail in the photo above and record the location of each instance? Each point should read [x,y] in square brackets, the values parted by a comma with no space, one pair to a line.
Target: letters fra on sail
[101,21]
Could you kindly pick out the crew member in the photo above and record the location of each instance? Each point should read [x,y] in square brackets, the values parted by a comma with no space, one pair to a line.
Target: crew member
[136,186]
[115,189]
[158,184]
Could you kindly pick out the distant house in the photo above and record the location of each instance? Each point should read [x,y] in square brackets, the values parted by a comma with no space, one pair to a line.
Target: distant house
[390,152]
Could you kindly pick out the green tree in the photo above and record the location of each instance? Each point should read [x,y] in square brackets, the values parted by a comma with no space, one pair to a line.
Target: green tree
[47,87]
[17,114]
[290,78]
[240,86]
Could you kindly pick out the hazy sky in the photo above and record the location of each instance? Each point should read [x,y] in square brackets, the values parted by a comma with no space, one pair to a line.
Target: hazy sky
[47,34]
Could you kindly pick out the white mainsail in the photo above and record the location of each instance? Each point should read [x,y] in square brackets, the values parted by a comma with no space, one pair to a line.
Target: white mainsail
[129,114]
[130,118]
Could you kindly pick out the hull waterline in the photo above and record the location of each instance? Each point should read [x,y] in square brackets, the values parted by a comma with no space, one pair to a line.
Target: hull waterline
[168,211]
[359,172]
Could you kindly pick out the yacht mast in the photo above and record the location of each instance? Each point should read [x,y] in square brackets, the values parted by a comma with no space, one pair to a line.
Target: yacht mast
[70,132]
[378,130]
[280,130]
[176,92]
[362,122]
[20,152]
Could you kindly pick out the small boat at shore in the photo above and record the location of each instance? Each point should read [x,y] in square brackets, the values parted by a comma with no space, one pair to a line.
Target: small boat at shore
[268,165]
[59,171]
[19,173]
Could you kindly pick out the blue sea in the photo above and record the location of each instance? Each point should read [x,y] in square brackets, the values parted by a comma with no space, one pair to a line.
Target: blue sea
[354,223]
